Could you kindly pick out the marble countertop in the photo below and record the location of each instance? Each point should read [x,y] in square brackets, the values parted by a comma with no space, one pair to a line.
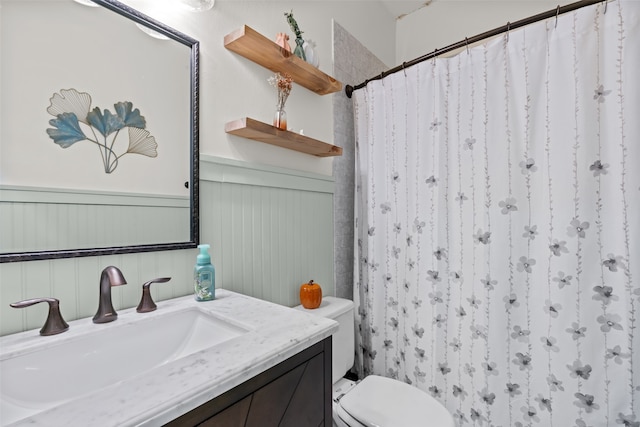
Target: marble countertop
[152,398]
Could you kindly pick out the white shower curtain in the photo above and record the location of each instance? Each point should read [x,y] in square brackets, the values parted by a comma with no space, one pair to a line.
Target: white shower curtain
[497,221]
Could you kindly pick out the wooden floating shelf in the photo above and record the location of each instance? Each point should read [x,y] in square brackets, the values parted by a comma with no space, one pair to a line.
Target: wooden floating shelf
[258,131]
[254,46]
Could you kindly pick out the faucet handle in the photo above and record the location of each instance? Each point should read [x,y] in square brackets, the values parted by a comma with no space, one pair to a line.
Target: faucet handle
[146,302]
[54,324]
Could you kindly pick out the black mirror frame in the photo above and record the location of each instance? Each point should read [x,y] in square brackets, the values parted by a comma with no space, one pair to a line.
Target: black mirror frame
[194,185]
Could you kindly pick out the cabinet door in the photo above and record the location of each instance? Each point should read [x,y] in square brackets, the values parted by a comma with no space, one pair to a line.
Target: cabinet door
[234,416]
[295,399]
[306,407]
[294,393]
[271,402]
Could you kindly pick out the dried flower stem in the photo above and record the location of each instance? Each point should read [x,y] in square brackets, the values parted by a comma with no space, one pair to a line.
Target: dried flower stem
[283,84]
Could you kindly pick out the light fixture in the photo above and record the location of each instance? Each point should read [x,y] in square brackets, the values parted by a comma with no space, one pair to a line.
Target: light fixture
[87,3]
[152,33]
[198,5]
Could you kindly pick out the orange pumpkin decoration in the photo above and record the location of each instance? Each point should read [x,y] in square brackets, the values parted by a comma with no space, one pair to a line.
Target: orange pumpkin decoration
[310,295]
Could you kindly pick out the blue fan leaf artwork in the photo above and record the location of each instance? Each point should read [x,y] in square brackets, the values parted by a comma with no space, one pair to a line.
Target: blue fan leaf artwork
[106,123]
[68,130]
[75,121]
[130,118]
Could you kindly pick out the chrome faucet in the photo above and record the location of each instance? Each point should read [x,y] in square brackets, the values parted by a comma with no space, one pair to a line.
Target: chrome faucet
[111,276]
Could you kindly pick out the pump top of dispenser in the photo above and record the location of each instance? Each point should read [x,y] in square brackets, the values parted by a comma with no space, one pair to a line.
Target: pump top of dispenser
[203,257]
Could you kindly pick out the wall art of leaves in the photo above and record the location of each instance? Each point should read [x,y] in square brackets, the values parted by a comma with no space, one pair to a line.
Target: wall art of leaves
[75,121]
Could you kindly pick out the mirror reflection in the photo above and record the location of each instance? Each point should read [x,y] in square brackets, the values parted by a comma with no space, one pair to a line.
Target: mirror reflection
[98,131]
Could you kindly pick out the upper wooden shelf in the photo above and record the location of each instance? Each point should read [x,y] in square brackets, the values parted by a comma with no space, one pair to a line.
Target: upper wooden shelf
[254,46]
[258,131]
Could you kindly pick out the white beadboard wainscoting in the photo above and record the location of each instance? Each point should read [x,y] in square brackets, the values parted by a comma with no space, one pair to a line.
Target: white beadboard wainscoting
[270,230]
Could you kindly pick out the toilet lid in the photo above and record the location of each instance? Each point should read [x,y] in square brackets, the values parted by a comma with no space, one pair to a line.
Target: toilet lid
[379,402]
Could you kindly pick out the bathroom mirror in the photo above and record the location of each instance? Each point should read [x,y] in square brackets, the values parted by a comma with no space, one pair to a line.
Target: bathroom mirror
[98,131]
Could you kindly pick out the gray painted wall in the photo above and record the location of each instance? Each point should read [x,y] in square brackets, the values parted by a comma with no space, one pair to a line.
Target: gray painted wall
[353,64]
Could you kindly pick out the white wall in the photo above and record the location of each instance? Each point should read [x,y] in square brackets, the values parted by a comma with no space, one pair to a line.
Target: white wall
[230,87]
[34,40]
[233,87]
[445,22]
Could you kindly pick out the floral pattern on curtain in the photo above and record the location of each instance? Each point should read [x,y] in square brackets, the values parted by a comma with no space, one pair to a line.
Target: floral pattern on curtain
[497,224]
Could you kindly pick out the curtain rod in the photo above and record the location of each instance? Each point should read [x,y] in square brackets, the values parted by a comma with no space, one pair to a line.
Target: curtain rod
[467,41]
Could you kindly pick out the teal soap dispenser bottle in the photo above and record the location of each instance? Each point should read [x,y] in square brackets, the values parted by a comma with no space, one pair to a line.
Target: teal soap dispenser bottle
[204,276]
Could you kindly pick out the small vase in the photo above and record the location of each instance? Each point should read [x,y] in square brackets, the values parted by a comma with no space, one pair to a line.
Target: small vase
[310,53]
[280,119]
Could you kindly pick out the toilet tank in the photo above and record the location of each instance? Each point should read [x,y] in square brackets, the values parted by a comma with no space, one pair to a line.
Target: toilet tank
[343,342]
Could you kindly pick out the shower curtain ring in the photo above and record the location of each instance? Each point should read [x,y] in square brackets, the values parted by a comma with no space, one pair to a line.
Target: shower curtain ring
[557,13]
[466,43]
[403,69]
[508,29]
[606,3]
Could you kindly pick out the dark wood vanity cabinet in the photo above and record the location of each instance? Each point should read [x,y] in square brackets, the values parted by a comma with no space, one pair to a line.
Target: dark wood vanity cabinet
[296,393]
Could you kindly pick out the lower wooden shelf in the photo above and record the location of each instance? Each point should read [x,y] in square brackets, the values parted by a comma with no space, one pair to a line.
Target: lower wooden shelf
[258,131]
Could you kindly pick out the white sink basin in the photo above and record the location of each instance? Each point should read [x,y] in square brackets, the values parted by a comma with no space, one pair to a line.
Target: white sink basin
[82,364]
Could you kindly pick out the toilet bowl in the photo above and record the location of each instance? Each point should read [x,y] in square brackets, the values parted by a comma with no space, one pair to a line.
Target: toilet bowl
[375,401]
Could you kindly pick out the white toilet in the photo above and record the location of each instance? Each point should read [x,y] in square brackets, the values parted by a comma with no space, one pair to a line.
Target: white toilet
[375,401]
